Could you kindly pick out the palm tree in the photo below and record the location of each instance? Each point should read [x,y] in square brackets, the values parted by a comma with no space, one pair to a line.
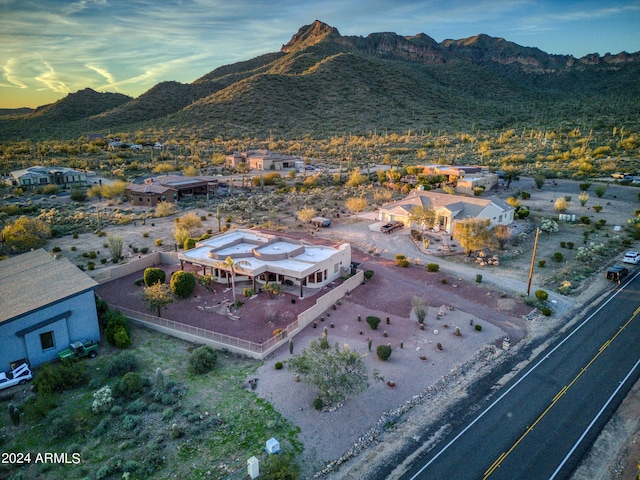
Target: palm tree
[230,265]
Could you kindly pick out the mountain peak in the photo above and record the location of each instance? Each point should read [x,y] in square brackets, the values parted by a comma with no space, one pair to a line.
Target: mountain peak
[309,35]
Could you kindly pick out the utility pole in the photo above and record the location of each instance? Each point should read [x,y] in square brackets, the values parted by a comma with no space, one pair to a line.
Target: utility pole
[533,259]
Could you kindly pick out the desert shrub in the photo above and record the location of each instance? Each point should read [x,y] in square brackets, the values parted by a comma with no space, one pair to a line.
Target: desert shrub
[129,385]
[158,242]
[541,295]
[56,249]
[368,274]
[597,208]
[318,403]
[120,364]
[278,365]
[60,377]
[403,262]
[432,267]
[248,292]
[189,243]
[478,327]
[558,257]
[546,311]
[373,322]
[131,422]
[586,220]
[39,406]
[144,250]
[183,283]
[153,276]
[78,194]
[102,399]
[383,352]
[478,278]
[526,195]
[570,245]
[282,467]
[542,263]
[137,406]
[117,323]
[202,360]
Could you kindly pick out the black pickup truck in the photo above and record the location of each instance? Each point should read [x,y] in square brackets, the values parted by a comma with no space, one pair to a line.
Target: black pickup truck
[617,273]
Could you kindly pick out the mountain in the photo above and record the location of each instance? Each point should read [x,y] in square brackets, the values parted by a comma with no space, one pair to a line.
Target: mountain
[323,83]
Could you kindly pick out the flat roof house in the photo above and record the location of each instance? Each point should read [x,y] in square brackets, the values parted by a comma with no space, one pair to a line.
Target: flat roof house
[45,305]
[448,208]
[266,258]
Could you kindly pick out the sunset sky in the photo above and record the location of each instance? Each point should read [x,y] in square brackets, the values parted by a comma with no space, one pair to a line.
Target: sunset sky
[49,48]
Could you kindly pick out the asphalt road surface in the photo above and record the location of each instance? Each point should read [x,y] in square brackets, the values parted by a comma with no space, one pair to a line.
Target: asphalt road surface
[540,424]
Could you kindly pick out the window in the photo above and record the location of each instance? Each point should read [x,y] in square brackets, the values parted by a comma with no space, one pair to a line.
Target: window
[46,340]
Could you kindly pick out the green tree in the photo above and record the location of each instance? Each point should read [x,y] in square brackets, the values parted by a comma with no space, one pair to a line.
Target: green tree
[473,234]
[157,297]
[539,179]
[153,275]
[356,204]
[511,173]
[423,217]
[183,283]
[25,234]
[337,374]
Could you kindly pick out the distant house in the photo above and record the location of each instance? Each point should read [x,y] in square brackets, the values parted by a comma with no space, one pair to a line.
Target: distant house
[448,208]
[149,195]
[45,304]
[170,188]
[264,257]
[262,160]
[38,176]
[465,177]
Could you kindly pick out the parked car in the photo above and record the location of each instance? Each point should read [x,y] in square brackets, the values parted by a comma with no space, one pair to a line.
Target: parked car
[321,222]
[390,227]
[17,376]
[84,348]
[631,257]
[617,273]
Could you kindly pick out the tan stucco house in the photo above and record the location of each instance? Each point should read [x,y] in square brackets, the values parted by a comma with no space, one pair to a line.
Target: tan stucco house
[448,208]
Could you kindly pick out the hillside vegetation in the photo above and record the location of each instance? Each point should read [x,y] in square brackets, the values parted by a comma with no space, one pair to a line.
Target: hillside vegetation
[323,84]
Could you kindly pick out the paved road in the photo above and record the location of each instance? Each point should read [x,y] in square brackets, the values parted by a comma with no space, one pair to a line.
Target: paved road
[542,422]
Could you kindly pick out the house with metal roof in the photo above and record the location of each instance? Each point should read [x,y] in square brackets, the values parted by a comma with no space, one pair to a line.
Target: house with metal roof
[263,258]
[45,304]
[448,209]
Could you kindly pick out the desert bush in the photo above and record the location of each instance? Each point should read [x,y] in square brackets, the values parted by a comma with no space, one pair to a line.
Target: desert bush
[122,363]
[189,243]
[546,311]
[541,295]
[432,267]
[202,360]
[558,257]
[373,322]
[318,403]
[368,274]
[383,352]
[278,365]
[153,276]
[183,283]
[597,208]
[248,292]
[102,400]
[526,195]
[117,323]
[478,327]
[60,377]
[129,385]
[542,263]
[39,406]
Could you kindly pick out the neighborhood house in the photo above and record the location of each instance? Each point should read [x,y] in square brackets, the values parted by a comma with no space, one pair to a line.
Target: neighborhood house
[448,209]
[262,160]
[45,305]
[261,258]
[34,177]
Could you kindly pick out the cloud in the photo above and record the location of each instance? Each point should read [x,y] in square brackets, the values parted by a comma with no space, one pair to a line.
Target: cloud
[51,81]
[10,74]
[103,73]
